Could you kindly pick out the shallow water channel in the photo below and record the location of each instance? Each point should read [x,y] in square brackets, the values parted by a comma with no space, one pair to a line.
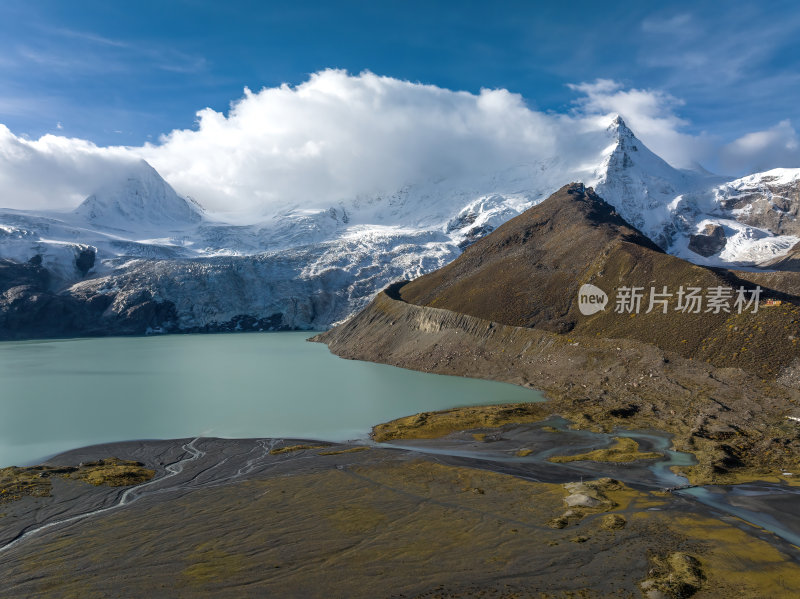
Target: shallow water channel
[772,507]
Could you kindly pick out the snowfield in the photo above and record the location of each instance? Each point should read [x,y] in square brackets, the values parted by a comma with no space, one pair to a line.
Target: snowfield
[308,268]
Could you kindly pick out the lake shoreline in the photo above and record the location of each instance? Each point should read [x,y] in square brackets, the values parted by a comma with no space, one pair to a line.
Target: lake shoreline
[59,395]
[595,382]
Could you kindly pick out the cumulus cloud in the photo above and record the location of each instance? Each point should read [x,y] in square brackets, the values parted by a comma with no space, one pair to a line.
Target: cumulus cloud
[763,150]
[339,136]
[336,136]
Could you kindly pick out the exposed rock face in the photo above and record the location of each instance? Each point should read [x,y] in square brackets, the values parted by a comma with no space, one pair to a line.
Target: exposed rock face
[84,261]
[30,309]
[791,261]
[474,234]
[641,185]
[709,242]
[314,265]
[769,200]
[13,274]
[234,293]
[526,272]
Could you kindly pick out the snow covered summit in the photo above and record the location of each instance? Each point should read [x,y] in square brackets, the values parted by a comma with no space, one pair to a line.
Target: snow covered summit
[641,185]
[142,201]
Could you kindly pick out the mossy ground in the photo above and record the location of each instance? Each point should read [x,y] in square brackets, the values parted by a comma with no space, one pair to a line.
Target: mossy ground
[16,483]
[34,481]
[737,564]
[386,525]
[677,575]
[430,425]
[341,451]
[725,460]
[623,450]
[112,472]
[291,448]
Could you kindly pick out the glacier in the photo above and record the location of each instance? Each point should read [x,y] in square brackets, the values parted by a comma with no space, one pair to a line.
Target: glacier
[137,250]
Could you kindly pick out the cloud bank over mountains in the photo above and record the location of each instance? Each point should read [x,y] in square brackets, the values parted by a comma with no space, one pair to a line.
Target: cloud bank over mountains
[340,136]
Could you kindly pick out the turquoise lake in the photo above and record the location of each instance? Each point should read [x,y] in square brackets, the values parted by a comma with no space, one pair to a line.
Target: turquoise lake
[61,394]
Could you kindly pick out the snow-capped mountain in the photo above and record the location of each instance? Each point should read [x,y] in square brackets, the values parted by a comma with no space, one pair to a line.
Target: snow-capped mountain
[696,215]
[770,199]
[143,201]
[140,216]
[754,216]
[642,186]
[138,243]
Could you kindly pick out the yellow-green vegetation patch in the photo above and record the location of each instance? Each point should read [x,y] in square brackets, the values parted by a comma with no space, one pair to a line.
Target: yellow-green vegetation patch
[480,437]
[34,481]
[613,522]
[593,494]
[579,539]
[340,451]
[524,452]
[550,429]
[676,575]
[291,448]
[16,483]
[585,498]
[112,472]
[429,425]
[622,496]
[763,342]
[738,564]
[623,450]
[700,473]
[400,524]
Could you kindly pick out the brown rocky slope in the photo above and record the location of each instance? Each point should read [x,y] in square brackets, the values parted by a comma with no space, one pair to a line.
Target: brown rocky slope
[528,272]
[507,310]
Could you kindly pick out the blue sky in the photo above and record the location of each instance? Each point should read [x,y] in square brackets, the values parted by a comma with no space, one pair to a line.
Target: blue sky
[126,72]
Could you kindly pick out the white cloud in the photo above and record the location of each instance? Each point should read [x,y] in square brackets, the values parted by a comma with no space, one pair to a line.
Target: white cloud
[55,171]
[650,114]
[338,136]
[334,137]
[763,150]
